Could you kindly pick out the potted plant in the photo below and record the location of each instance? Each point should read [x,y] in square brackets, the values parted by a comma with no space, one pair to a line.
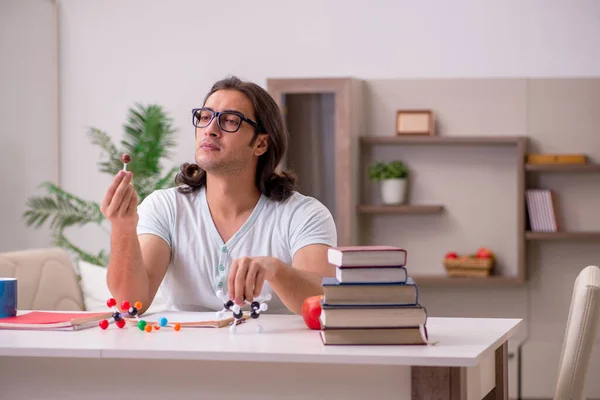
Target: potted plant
[393,177]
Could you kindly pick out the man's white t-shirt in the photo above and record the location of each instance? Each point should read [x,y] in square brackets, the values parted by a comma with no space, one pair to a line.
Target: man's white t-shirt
[200,260]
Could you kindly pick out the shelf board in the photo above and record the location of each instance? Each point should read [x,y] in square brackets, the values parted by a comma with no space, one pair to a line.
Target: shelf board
[562,167]
[400,209]
[443,140]
[562,235]
[444,280]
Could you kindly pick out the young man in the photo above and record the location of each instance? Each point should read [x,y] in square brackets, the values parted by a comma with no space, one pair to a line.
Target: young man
[234,223]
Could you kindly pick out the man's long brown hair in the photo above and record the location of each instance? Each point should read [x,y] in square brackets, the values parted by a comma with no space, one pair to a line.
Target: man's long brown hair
[275,185]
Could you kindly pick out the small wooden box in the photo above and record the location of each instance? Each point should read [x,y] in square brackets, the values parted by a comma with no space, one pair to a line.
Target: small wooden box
[556,159]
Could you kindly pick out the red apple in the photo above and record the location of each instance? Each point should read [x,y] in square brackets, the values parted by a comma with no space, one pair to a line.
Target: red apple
[311,311]
[451,254]
[483,252]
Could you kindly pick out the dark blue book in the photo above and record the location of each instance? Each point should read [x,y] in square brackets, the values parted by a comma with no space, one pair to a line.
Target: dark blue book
[371,274]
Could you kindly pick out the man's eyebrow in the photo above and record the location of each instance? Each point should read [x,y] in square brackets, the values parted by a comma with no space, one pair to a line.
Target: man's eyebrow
[234,111]
[227,110]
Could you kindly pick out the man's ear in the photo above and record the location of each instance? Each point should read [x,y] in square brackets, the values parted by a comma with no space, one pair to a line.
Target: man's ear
[261,144]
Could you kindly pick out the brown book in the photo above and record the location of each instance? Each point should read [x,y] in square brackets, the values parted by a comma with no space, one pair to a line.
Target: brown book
[372,316]
[416,335]
[337,293]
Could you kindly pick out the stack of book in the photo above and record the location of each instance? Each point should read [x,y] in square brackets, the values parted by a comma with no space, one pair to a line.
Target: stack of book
[371,300]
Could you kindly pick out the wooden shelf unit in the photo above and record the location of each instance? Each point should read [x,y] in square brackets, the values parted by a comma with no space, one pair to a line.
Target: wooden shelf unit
[523,236]
[399,209]
[520,143]
[348,93]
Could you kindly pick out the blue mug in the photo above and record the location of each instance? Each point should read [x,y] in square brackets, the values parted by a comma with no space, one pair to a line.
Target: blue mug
[8,297]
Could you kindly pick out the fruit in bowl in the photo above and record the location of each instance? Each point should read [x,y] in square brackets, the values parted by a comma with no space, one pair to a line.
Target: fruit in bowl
[484,252]
[477,264]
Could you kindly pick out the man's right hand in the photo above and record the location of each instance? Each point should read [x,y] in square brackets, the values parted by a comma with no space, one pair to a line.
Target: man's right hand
[120,202]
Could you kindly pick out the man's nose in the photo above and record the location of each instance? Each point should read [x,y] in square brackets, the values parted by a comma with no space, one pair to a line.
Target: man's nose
[213,129]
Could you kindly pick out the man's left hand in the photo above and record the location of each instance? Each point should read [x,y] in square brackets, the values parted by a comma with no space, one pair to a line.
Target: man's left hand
[247,276]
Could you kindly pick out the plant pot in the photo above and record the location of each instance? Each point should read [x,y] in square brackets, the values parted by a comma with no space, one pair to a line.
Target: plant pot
[393,191]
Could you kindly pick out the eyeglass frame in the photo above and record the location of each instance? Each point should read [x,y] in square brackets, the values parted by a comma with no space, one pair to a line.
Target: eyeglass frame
[217,115]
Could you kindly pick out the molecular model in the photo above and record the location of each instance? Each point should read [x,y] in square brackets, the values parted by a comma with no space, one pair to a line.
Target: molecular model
[256,307]
[132,311]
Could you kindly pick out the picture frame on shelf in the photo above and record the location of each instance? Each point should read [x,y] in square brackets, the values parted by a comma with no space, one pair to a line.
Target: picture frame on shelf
[415,122]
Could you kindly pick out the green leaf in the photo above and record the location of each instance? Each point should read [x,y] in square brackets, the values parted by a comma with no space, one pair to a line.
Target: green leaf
[392,170]
[149,136]
[101,138]
[62,211]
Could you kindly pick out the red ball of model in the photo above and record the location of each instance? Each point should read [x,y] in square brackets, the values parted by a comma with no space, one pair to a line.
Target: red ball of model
[103,324]
[120,323]
[111,302]
[126,158]
[125,305]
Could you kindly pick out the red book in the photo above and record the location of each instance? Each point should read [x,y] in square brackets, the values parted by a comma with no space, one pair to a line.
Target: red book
[54,320]
[367,256]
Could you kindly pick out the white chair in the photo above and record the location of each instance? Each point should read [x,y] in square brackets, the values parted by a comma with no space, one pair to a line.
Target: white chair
[580,334]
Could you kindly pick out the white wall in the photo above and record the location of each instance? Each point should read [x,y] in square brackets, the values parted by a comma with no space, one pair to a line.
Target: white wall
[28,114]
[115,53]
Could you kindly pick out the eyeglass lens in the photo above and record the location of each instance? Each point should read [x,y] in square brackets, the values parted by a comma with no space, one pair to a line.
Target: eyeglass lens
[228,122]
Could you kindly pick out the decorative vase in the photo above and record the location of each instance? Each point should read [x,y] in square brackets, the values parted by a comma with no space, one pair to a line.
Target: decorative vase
[393,191]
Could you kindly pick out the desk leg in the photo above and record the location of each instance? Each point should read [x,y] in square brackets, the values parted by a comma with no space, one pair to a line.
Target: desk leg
[438,383]
[450,383]
[500,391]
[502,372]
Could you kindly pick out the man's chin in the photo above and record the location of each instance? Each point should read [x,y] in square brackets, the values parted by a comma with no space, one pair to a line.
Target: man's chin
[205,162]
[211,167]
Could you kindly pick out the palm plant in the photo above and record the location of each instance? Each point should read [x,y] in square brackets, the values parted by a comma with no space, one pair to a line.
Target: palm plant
[148,137]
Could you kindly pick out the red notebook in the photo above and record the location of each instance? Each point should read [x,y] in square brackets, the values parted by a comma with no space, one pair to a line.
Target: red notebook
[50,320]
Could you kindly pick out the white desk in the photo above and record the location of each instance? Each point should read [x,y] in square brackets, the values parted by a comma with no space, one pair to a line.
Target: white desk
[285,361]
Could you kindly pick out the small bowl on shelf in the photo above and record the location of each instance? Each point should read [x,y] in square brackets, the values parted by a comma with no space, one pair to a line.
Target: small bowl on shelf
[469,266]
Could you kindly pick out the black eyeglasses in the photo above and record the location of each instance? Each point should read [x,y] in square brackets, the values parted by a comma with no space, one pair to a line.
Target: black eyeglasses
[229,121]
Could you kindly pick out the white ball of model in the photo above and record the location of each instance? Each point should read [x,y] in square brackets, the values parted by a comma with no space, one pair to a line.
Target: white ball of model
[258,306]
